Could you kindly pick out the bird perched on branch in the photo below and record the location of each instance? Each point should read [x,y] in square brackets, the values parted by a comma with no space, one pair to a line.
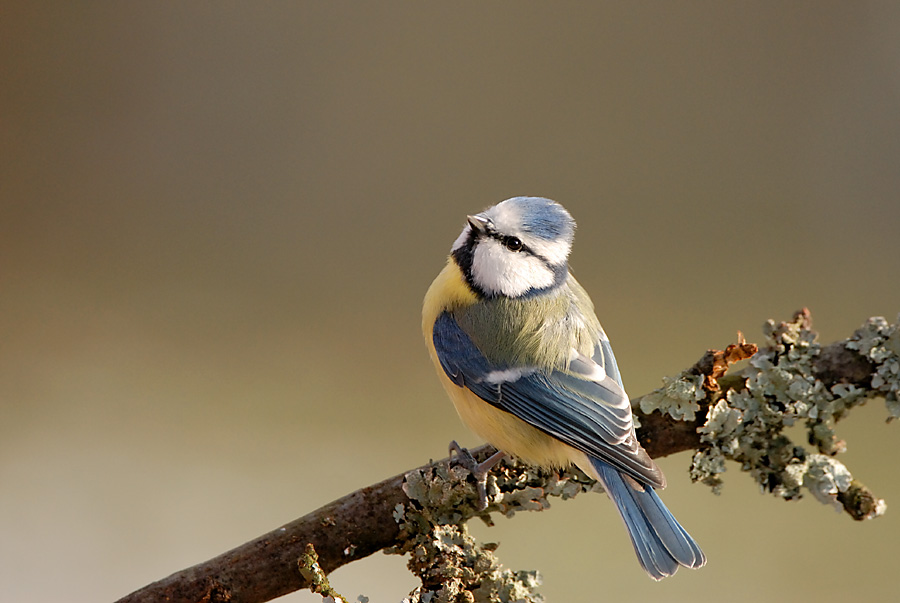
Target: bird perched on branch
[525,361]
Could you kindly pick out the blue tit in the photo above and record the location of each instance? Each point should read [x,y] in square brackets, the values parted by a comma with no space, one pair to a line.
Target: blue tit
[517,346]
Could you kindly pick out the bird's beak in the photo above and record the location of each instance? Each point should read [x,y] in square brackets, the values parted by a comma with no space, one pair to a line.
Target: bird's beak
[478,223]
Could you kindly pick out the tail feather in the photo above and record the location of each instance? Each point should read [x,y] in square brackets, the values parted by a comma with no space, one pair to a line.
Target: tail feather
[651,552]
[659,540]
[675,538]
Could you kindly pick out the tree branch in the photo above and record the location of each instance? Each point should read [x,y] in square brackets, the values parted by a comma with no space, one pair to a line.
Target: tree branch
[738,417]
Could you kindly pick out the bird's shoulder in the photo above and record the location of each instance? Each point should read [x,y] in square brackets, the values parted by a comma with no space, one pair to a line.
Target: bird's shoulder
[447,293]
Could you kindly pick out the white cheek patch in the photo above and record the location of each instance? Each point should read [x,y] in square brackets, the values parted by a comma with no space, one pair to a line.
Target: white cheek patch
[497,270]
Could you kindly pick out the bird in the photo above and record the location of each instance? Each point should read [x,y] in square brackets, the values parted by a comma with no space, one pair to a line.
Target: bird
[518,348]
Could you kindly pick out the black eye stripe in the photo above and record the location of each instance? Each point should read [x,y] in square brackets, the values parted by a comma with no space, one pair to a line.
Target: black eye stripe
[511,242]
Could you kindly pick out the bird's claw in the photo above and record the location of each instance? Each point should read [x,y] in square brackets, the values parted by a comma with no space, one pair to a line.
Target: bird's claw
[478,470]
[464,457]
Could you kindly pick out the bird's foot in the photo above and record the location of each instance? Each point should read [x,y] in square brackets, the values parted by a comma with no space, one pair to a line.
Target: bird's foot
[478,470]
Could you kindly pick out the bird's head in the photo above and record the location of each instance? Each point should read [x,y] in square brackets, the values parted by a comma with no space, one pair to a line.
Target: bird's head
[516,248]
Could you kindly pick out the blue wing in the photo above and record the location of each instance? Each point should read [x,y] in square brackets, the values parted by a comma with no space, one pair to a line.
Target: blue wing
[583,405]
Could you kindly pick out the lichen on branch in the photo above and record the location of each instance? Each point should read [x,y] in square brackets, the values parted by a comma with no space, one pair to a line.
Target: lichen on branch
[453,568]
[792,379]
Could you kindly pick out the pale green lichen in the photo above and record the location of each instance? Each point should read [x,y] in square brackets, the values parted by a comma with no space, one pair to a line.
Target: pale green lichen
[781,387]
[452,566]
[679,396]
[312,572]
[879,341]
[706,467]
[826,477]
[454,569]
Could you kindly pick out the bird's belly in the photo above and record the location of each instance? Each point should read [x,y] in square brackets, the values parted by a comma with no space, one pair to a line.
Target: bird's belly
[507,432]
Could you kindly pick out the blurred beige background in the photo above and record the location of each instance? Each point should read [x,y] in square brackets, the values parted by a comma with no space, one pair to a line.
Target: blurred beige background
[218,221]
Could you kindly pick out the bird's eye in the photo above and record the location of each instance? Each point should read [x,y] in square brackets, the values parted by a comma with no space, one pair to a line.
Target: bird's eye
[513,244]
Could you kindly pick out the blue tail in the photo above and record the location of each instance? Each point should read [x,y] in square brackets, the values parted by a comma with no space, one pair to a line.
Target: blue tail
[659,540]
